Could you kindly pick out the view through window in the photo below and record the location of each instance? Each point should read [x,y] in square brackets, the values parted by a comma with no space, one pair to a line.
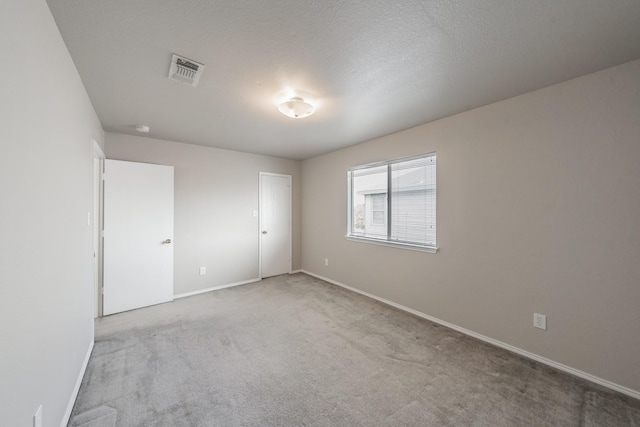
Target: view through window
[394,201]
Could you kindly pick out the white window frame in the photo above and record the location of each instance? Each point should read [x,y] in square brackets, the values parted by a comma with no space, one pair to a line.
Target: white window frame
[383,242]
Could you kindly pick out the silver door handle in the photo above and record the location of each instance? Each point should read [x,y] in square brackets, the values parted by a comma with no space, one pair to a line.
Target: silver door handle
[166,242]
[264,231]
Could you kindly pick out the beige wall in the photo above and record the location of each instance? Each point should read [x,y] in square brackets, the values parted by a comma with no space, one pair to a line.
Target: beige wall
[538,211]
[46,282]
[216,192]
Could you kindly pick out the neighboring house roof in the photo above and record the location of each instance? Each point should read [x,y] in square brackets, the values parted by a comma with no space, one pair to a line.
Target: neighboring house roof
[413,180]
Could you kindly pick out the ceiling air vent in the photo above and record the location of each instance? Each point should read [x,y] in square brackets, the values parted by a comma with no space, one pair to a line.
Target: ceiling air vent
[185,70]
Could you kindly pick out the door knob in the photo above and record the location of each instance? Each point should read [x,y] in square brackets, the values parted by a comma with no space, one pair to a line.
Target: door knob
[264,231]
[166,242]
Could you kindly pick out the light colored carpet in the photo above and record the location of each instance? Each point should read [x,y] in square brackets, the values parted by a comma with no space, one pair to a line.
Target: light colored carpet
[296,351]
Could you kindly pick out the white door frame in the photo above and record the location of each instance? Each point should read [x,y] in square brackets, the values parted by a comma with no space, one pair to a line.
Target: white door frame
[261,174]
[98,168]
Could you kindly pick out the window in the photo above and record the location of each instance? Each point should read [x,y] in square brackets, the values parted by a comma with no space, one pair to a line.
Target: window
[394,202]
[378,208]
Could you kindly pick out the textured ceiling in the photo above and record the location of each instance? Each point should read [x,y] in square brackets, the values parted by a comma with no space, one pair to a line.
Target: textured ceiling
[375,67]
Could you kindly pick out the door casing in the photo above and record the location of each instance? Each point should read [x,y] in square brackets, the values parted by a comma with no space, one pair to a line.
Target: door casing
[98,163]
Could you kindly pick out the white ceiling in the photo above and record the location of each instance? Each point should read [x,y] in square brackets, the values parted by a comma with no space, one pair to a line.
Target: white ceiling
[375,67]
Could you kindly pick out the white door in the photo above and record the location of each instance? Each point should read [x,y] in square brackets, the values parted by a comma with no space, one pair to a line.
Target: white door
[275,224]
[138,234]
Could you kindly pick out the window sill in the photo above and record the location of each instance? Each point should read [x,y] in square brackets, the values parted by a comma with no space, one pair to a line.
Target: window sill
[429,249]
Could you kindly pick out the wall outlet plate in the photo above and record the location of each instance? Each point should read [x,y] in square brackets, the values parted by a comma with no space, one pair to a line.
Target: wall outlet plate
[540,321]
[203,271]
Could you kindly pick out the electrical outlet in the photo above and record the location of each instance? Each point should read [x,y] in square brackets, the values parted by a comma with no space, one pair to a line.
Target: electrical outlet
[37,417]
[326,261]
[203,271]
[540,321]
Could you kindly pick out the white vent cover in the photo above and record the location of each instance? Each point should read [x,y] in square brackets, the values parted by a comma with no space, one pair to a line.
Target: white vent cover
[185,70]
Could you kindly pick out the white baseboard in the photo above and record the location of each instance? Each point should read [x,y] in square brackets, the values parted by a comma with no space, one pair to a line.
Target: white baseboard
[230,285]
[215,288]
[611,385]
[76,388]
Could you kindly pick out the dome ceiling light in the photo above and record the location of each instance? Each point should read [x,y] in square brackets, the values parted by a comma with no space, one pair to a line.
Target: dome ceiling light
[296,108]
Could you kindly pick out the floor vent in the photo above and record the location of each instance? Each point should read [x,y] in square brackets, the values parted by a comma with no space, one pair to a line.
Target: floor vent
[185,71]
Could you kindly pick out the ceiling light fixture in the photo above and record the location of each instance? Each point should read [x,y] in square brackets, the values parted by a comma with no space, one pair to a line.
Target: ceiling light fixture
[296,108]
[143,128]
